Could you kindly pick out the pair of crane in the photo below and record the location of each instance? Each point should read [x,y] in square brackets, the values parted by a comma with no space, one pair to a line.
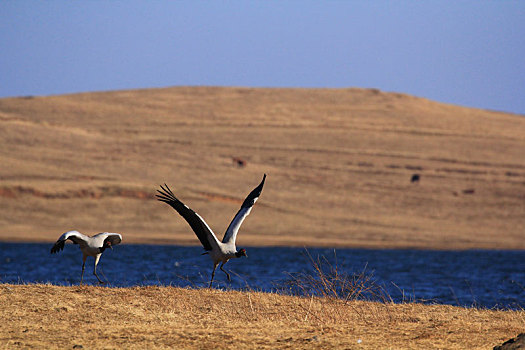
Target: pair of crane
[219,251]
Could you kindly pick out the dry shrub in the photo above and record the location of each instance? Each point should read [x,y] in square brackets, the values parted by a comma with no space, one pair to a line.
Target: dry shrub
[326,280]
[333,291]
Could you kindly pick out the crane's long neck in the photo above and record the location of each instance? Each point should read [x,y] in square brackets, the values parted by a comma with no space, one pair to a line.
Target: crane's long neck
[104,247]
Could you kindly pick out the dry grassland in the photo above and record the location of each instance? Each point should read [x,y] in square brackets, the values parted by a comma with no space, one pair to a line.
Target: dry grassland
[46,316]
[339,163]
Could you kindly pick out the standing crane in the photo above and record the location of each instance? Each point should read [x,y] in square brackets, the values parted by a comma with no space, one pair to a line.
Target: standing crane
[90,246]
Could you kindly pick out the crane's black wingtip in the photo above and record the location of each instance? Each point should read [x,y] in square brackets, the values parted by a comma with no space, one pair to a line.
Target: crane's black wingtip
[166,195]
[254,194]
[262,182]
[165,191]
[162,198]
[263,179]
[57,247]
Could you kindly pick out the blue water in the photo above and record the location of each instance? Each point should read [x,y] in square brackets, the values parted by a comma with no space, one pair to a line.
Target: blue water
[483,278]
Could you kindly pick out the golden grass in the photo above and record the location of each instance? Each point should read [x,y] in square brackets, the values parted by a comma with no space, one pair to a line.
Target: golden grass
[47,316]
[339,163]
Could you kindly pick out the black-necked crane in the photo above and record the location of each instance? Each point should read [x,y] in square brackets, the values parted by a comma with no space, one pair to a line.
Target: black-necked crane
[220,252]
[90,246]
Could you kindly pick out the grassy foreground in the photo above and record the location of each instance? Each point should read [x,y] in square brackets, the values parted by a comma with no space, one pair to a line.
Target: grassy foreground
[47,316]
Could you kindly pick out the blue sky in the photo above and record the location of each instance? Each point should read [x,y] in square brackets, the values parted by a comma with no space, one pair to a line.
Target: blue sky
[470,53]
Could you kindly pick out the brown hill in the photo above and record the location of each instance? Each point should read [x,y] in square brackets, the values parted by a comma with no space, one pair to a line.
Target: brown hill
[339,165]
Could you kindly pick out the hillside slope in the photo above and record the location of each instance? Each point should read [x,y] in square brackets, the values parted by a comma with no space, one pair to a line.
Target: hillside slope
[339,165]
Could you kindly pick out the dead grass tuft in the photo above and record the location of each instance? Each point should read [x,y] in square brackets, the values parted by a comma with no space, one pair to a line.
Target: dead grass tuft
[326,280]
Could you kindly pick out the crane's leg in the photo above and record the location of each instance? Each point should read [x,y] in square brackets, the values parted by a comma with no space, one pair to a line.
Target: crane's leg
[213,274]
[97,258]
[226,272]
[83,268]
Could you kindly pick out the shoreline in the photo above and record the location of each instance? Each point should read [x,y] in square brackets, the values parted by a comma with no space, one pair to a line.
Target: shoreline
[189,243]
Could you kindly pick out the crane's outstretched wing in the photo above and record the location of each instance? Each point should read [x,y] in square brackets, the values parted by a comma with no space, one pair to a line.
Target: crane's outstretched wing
[74,236]
[246,207]
[196,222]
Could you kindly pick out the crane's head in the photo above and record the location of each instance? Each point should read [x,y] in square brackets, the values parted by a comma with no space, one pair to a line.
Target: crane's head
[241,252]
[107,244]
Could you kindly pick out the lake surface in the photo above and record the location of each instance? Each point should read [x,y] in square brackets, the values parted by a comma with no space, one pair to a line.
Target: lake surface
[484,278]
